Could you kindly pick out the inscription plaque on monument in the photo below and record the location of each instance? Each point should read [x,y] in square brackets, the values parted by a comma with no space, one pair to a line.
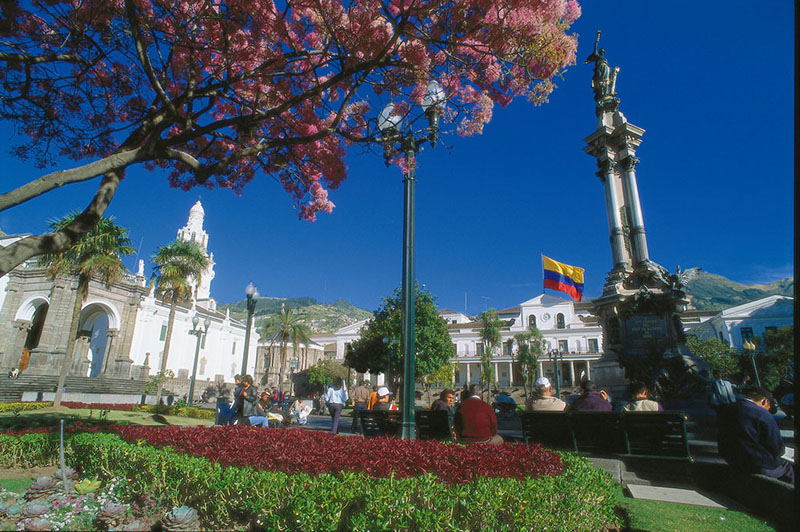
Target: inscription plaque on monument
[645,329]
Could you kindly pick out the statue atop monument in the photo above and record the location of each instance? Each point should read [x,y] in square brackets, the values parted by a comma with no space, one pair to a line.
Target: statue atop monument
[604,80]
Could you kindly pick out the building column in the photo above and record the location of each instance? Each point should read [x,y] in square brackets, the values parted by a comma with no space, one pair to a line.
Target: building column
[80,362]
[469,376]
[511,374]
[111,337]
[496,373]
[588,370]
[572,372]
[615,226]
[631,191]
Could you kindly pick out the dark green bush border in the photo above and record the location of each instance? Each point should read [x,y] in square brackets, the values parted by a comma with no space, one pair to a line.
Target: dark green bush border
[582,499]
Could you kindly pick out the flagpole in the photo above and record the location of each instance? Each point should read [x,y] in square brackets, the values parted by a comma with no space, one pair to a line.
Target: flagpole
[542,261]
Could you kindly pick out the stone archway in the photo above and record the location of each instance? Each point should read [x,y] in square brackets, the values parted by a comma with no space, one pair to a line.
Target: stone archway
[29,319]
[97,330]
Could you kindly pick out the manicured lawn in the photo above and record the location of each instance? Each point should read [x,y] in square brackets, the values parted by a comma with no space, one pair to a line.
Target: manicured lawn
[654,516]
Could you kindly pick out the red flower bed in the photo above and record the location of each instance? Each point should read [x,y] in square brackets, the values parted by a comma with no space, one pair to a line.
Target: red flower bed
[313,452]
[98,406]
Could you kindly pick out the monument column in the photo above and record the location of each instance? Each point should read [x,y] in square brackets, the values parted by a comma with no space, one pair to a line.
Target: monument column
[111,337]
[631,192]
[615,226]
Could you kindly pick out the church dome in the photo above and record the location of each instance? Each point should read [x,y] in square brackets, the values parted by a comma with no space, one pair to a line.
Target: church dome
[197,210]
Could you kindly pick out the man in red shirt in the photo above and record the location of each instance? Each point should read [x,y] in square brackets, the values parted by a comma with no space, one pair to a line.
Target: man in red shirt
[475,421]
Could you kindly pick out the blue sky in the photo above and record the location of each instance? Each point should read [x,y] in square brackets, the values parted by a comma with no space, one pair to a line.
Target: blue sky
[710,82]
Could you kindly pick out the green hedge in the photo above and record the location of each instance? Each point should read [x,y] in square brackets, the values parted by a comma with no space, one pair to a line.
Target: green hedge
[583,498]
[29,450]
[21,407]
[186,411]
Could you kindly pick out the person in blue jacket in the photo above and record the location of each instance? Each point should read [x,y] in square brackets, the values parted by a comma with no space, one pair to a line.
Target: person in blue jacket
[749,438]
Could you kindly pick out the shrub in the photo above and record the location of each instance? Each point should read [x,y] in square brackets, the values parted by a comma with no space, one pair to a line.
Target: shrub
[581,498]
[21,407]
[28,450]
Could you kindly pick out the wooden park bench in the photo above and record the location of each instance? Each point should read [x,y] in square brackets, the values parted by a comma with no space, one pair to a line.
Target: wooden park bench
[628,434]
[380,423]
[432,425]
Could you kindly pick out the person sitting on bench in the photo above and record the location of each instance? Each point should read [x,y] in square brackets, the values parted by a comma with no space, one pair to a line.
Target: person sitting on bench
[591,400]
[544,401]
[639,401]
[475,421]
[749,438]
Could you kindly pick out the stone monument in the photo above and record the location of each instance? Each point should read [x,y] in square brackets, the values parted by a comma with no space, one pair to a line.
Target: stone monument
[641,304]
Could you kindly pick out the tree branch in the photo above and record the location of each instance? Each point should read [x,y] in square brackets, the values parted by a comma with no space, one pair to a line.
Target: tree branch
[46,183]
[22,250]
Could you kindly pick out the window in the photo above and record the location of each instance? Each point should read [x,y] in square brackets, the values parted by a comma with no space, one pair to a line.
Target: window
[721,339]
[560,321]
[770,329]
[531,321]
[203,342]
[593,345]
[507,347]
[233,350]
[479,348]
[747,334]
[563,346]
[163,333]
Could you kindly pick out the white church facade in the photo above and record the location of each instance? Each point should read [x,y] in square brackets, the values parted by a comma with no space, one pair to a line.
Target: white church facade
[122,326]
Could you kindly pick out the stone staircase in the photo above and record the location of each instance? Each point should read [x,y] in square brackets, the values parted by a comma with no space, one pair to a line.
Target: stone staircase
[12,389]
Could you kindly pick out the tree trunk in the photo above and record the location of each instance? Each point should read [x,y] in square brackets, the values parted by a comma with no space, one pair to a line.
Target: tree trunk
[283,365]
[167,341]
[73,333]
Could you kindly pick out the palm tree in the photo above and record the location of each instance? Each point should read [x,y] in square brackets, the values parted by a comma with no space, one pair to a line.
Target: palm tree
[96,254]
[490,336]
[176,265]
[286,327]
[529,349]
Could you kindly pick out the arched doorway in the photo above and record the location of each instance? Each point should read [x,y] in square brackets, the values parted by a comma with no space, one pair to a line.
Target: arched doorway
[34,312]
[95,321]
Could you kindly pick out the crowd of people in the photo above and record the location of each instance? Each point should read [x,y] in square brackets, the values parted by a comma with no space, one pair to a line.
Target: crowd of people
[249,407]
[749,437]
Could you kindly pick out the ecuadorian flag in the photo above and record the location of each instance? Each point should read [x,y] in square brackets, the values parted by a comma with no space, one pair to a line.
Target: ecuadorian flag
[563,277]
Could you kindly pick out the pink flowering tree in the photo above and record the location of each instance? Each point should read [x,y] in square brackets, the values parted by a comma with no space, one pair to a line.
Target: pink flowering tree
[218,92]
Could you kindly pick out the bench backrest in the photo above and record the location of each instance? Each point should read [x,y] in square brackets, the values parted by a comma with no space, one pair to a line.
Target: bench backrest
[432,425]
[655,434]
[377,423]
[661,434]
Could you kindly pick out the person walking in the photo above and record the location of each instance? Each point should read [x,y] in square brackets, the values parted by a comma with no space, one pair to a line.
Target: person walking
[336,398]
[359,400]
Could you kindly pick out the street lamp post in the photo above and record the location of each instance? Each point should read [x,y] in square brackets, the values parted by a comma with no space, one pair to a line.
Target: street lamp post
[252,297]
[389,123]
[554,358]
[751,348]
[293,365]
[199,333]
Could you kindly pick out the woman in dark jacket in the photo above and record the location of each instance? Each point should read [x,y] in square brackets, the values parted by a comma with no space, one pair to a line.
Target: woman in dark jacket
[249,399]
